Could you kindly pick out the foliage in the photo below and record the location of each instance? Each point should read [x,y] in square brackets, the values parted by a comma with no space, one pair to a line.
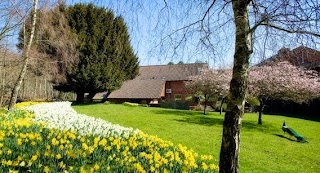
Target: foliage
[130,104]
[26,145]
[253,101]
[218,104]
[284,81]
[55,45]
[263,148]
[211,83]
[106,58]
[183,105]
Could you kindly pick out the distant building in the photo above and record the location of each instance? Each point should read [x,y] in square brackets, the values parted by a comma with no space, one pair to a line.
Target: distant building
[158,83]
[301,56]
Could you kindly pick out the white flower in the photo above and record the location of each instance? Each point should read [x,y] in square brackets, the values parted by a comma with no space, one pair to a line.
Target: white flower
[62,116]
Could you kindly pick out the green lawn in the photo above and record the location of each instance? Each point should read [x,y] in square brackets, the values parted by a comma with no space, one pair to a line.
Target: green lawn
[263,148]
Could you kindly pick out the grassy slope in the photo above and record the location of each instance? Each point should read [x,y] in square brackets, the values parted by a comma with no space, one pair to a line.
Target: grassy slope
[263,148]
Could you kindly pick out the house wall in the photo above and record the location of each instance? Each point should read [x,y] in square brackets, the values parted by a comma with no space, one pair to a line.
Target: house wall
[178,91]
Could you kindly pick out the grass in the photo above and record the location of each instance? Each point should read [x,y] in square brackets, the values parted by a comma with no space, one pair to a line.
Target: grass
[263,148]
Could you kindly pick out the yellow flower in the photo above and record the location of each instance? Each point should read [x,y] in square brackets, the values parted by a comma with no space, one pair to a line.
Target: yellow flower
[108,168]
[34,157]
[58,156]
[9,152]
[13,171]
[62,165]
[82,139]
[19,142]
[46,169]
[46,153]
[82,170]
[103,142]
[54,141]
[85,146]
[9,162]
[91,149]
[22,164]
[96,167]
[152,169]
[139,168]
[204,166]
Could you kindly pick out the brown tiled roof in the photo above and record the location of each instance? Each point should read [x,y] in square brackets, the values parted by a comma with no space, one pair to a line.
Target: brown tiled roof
[151,80]
[300,56]
[139,89]
[171,72]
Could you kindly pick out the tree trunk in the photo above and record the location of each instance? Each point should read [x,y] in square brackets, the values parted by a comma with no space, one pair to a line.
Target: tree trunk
[91,95]
[3,77]
[260,111]
[222,101]
[80,97]
[205,104]
[229,153]
[25,55]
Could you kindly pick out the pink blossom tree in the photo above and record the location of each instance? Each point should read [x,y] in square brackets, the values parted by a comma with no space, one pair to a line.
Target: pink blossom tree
[211,83]
[282,81]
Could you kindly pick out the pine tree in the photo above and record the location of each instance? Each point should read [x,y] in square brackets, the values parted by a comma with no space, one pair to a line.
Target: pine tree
[102,57]
[106,58]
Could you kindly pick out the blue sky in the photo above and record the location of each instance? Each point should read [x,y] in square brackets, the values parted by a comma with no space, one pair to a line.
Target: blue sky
[152,25]
[148,24]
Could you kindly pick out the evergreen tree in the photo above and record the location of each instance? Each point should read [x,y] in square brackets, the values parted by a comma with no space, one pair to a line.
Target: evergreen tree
[106,58]
[102,57]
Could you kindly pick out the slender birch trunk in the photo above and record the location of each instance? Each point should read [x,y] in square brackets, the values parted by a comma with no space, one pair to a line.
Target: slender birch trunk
[3,77]
[230,147]
[25,56]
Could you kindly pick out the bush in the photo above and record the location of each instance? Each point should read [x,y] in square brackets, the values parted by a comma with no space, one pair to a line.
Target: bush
[144,102]
[176,105]
[198,108]
[130,104]
[107,102]
[144,105]
[218,104]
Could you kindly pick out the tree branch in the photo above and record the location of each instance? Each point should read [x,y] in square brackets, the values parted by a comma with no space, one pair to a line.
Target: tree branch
[290,31]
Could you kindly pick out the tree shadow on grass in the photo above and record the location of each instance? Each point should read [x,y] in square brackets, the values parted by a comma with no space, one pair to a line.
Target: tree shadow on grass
[201,120]
[177,112]
[194,117]
[284,137]
[212,120]
[74,103]
[252,125]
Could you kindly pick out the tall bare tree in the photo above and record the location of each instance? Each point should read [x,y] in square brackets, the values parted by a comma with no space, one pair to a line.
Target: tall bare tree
[25,56]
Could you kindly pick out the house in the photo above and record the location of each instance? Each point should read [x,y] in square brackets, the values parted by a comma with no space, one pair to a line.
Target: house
[158,83]
[301,56]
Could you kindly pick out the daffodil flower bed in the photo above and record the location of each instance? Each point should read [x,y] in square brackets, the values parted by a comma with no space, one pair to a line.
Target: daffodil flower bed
[29,143]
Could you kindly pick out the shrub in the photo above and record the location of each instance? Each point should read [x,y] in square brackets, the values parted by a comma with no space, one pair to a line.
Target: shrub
[218,104]
[130,104]
[176,105]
